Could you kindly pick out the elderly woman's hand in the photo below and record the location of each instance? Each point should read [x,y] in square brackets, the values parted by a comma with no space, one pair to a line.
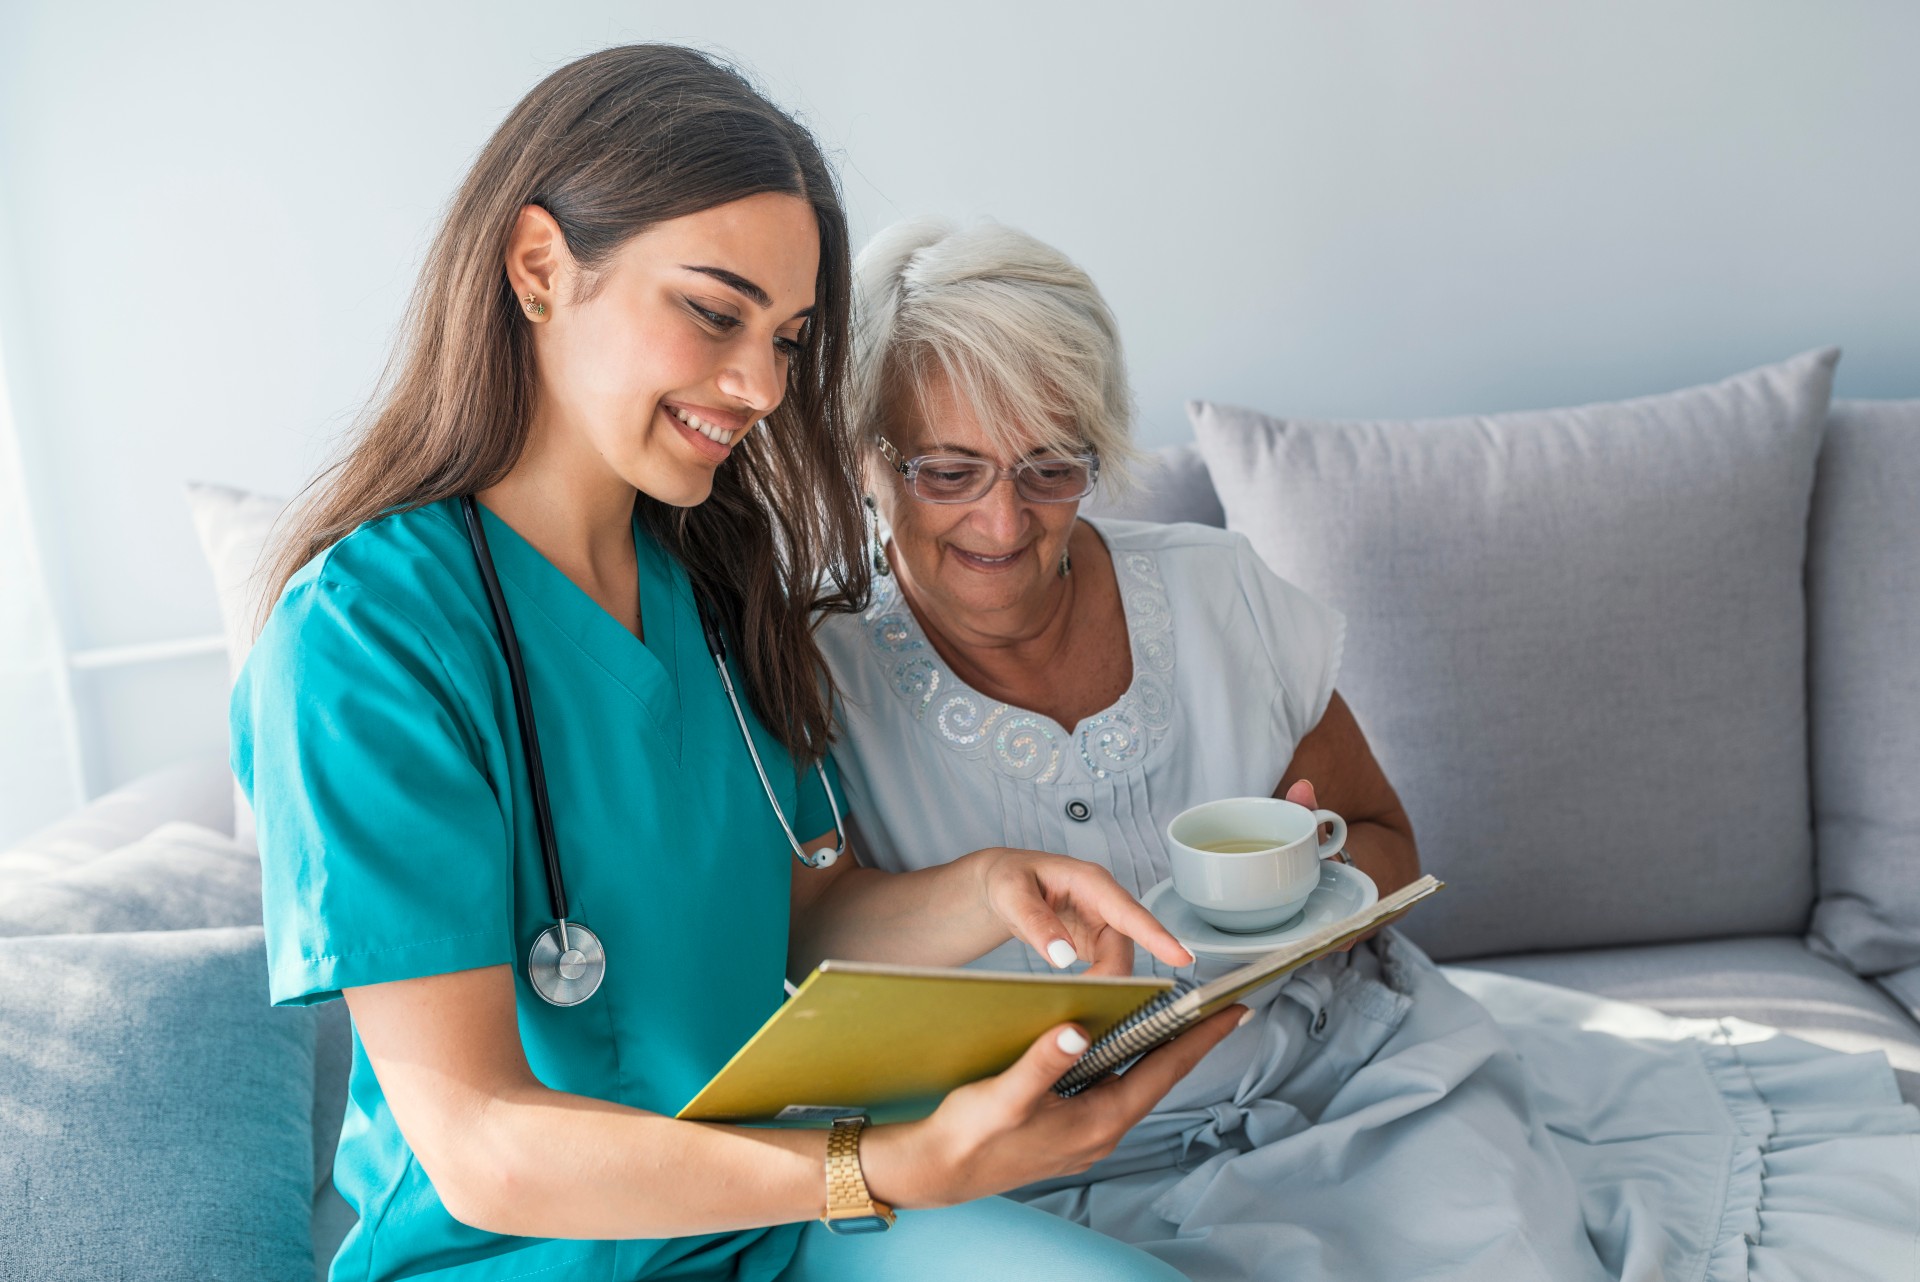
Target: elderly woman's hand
[1302,794]
[1070,910]
[1005,1131]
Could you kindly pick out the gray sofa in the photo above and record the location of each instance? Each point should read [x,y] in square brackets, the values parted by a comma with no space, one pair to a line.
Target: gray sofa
[1831,952]
[1825,946]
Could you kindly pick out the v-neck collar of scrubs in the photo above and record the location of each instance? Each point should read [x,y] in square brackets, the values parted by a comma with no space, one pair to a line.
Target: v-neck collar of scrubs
[649,670]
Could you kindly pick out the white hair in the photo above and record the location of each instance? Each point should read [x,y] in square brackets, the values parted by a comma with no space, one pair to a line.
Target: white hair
[1020,333]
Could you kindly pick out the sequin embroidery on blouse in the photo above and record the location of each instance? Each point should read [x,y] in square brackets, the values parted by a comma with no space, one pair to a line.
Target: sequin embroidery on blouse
[1018,743]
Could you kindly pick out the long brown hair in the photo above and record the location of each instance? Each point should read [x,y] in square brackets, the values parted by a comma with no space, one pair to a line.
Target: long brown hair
[610,145]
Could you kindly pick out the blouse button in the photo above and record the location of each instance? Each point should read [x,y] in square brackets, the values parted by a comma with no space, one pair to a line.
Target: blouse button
[1079,811]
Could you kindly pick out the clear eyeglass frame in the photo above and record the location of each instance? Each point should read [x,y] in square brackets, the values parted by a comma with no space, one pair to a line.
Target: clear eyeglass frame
[1026,474]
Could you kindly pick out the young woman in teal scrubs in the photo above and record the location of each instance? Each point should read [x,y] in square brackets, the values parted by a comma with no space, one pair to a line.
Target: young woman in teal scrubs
[628,343]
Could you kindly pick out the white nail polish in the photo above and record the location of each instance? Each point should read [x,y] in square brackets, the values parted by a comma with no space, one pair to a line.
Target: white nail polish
[1245,1015]
[1061,954]
[1071,1041]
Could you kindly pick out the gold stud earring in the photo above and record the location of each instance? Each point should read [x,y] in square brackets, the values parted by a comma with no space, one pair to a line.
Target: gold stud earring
[534,306]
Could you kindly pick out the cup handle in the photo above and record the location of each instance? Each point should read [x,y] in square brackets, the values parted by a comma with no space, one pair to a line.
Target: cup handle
[1336,843]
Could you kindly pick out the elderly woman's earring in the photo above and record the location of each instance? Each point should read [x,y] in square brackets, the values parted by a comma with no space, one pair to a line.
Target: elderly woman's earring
[1066,563]
[534,306]
[875,547]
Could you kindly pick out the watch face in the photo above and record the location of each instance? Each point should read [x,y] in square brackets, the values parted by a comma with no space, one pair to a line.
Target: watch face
[860,1224]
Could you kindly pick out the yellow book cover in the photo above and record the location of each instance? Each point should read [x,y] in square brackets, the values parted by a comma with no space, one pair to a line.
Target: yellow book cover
[890,1041]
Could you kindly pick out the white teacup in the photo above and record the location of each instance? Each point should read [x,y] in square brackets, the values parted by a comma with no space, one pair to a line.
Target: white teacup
[1270,867]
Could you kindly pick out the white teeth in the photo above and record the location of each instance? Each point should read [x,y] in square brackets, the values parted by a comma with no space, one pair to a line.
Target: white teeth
[720,435]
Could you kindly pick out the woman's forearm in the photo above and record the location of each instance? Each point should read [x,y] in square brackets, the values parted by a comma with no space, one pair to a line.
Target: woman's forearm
[1383,849]
[541,1163]
[930,917]
[1334,767]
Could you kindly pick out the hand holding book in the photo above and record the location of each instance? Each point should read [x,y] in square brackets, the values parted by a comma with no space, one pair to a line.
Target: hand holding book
[1013,1128]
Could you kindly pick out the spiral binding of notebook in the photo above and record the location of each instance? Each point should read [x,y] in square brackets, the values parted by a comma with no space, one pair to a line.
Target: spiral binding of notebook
[1133,1036]
[1174,1011]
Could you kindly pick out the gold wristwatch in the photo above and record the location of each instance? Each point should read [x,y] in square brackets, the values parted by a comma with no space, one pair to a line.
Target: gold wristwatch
[850,1207]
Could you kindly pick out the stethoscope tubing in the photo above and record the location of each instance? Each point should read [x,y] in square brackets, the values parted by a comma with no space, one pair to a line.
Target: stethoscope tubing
[522,708]
[717,647]
[561,988]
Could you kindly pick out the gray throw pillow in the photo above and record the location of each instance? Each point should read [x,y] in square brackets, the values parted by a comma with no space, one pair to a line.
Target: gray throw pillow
[236,528]
[1576,640]
[177,877]
[1170,485]
[200,790]
[1863,633]
[153,1110]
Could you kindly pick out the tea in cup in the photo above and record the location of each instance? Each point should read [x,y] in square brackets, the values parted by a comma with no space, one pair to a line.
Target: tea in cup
[1248,864]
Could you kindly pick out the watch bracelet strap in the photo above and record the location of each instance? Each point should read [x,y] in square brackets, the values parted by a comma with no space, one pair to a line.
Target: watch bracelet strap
[846,1184]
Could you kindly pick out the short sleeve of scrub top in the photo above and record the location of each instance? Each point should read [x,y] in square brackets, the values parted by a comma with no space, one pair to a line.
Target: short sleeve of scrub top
[359,748]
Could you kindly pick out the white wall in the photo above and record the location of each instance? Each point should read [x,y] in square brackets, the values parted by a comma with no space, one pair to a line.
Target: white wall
[1318,208]
[38,743]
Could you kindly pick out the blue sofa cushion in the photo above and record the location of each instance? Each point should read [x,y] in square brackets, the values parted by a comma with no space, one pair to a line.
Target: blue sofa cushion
[153,1110]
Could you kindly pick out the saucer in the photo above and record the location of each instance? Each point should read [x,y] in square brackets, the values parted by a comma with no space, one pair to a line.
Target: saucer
[1343,891]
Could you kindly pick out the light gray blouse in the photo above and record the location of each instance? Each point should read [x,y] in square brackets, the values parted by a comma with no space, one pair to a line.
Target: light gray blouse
[1231,667]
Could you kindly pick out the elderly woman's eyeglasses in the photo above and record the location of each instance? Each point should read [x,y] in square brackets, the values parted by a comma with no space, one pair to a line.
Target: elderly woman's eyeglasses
[941,478]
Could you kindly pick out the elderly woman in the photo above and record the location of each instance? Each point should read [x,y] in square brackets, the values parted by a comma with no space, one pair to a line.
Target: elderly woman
[1028,677]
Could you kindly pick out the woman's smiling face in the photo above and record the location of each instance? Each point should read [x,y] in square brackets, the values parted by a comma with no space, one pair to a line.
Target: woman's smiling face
[681,343]
[985,565]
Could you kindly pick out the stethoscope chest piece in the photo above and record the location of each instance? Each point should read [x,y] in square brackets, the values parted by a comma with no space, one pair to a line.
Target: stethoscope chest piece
[566,964]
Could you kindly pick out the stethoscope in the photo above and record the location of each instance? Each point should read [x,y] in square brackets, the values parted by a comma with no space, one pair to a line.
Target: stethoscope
[567,962]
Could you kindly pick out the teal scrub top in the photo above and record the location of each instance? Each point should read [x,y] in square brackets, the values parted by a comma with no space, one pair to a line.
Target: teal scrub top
[373,728]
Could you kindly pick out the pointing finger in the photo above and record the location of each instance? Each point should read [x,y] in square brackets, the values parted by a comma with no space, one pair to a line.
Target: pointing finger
[1123,913]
